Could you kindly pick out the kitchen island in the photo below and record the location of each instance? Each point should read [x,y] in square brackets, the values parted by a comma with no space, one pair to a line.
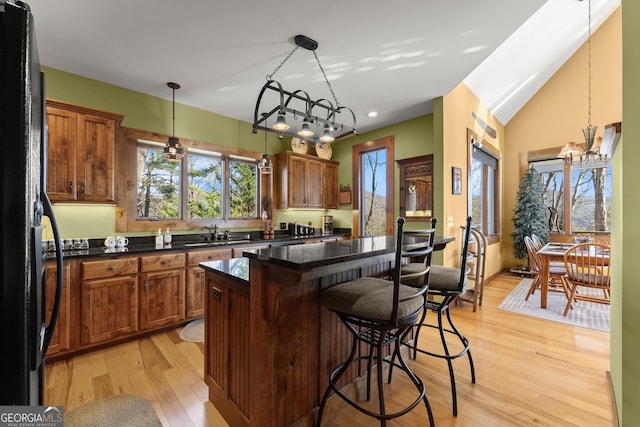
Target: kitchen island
[269,345]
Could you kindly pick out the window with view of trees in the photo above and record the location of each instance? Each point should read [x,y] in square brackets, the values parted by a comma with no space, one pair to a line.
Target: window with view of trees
[215,186]
[484,192]
[578,197]
[158,185]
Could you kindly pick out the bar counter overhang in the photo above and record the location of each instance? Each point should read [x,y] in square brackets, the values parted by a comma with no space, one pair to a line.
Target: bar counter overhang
[269,345]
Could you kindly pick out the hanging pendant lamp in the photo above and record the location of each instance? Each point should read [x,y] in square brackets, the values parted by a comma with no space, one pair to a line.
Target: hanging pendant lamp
[173,150]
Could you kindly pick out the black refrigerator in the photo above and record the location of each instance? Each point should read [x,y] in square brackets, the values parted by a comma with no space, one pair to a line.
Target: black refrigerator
[25,331]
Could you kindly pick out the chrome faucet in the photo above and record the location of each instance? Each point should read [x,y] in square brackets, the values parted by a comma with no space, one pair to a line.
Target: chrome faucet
[213,231]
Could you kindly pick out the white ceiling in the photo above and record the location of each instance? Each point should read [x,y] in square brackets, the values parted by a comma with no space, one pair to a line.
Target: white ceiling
[391,57]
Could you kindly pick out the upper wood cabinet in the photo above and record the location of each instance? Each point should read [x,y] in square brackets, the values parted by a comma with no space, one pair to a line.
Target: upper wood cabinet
[302,181]
[80,153]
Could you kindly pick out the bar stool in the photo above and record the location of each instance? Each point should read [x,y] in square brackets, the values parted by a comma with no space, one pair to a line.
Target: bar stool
[445,285]
[378,313]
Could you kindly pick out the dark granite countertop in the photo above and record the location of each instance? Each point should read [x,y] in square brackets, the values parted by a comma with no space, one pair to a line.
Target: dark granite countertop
[305,257]
[139,245]
[235,268]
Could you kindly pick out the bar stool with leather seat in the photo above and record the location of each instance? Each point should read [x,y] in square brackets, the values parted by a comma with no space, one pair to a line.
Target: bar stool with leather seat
[379,313]
[445,285]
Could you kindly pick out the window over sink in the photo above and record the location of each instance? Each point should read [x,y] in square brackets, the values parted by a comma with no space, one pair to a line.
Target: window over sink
[212,183]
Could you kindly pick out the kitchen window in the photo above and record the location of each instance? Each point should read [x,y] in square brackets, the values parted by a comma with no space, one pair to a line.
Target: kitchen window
[212,184]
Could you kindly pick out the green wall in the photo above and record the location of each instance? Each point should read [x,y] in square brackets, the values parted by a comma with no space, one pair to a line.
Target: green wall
[625,310]
[153,114]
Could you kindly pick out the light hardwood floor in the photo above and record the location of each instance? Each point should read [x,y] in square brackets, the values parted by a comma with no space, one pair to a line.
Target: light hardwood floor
[529,372]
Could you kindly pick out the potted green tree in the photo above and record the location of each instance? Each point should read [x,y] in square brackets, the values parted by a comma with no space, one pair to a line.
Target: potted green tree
[529,213]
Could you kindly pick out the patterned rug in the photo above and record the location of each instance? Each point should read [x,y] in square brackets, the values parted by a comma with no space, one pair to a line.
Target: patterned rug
[585,314]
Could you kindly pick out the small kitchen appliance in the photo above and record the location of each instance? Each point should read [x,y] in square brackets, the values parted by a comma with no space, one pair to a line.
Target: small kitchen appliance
[327,225]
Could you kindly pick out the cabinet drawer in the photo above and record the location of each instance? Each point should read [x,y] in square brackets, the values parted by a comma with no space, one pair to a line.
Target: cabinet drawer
[162,262]
[109,268]
[196,257]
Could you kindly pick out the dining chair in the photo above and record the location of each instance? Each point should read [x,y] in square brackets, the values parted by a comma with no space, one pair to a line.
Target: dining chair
[378,313]
[556,271]
[587,266]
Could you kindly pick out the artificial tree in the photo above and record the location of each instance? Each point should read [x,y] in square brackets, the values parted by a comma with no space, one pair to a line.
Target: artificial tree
[529,214]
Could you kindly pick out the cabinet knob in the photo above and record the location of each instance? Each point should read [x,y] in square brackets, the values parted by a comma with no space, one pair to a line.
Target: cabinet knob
[146,285]
[133,286]
[111,268]
[217,293]
[82,188]
[164,262]
[70,187]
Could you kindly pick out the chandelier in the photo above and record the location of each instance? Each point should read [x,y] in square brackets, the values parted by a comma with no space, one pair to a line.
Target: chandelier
[319,118]
[173,150]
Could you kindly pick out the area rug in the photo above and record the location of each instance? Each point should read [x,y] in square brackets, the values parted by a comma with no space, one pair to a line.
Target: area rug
[193,331]
[585,314]
[122,410]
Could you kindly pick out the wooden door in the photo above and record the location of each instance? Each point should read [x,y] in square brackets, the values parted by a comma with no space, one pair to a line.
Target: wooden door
[62,181]
[297,182]
[314,185]
[61,335]
[109,308]
[196,290]
[161,298]
[330,186]
[216,358]
[96,158]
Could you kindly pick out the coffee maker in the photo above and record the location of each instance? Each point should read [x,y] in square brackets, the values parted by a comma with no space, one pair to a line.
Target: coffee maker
[327,225]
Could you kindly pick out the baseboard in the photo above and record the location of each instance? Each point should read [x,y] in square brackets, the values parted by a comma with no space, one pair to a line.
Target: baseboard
[612,396]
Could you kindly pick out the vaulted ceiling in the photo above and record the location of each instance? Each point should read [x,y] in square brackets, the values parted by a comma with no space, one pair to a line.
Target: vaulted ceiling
[389,57]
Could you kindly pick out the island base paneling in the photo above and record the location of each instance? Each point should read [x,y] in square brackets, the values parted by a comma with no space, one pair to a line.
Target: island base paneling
[293,342]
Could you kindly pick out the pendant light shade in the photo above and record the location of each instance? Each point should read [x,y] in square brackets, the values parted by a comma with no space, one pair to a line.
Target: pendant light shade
[305,129]
[173,150]
[281,123]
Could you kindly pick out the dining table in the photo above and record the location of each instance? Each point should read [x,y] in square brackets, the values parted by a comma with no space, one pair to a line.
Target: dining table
[552,251]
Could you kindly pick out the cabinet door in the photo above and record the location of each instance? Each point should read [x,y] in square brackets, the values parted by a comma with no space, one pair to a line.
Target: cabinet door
[61,335]
[196,289]
[96,158]
[330,186]
[161,298]
[314,185]
[62,181]
[227,359]
[109,308]
[217,357]
[297,182]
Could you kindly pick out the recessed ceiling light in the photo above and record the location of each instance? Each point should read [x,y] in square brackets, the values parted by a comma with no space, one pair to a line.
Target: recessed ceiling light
[372,113]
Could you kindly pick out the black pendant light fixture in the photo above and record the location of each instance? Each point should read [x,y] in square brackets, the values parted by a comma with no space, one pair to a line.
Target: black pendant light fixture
[173,151]
[320,118]
[264,164]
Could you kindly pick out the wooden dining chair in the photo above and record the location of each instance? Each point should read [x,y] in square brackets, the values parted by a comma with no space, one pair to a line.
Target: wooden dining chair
[556,271]
[587,266]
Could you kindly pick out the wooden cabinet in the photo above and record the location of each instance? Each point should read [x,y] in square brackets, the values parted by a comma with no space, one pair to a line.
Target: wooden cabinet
[60,341]
[80,153]
[330,186]
[196,286]
[227,342]
[162,292]
[300,181]
[109,299]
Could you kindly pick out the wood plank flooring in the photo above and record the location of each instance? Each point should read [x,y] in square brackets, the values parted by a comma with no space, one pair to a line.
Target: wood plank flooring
[529,372]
